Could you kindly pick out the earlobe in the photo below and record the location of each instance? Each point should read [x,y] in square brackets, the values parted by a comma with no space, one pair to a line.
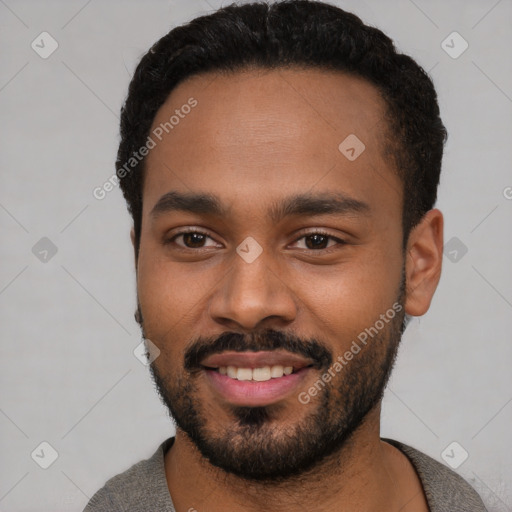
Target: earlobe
[424,258]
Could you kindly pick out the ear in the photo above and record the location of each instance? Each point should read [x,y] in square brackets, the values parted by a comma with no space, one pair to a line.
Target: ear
[424,258]
[132,236]
[138,315]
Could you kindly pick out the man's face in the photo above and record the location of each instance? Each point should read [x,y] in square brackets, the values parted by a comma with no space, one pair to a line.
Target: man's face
[301,256]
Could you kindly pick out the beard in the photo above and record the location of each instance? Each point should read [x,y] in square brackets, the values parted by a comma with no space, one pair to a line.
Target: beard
[256,445]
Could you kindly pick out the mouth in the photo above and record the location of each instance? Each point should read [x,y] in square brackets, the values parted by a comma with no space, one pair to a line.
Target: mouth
[255,378]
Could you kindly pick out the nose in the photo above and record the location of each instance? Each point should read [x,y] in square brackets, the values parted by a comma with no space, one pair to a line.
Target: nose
[253,296]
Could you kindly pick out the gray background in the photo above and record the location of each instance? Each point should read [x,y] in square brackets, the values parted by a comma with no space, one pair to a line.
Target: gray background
[68,373]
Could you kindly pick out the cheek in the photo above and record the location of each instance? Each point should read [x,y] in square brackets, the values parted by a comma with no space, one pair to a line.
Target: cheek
[351,297]
[171,295]
[163,310]
[155,288]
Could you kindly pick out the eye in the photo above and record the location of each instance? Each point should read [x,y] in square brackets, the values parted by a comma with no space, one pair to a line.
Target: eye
[192,239]
[317,240]
[195,239]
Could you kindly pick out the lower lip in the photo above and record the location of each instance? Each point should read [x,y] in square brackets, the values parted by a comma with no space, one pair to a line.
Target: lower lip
[252,393]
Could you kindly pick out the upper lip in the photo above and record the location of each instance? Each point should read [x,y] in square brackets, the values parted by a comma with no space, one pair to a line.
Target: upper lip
[256,359]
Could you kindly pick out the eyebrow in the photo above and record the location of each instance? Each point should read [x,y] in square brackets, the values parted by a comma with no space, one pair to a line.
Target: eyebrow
[306,204]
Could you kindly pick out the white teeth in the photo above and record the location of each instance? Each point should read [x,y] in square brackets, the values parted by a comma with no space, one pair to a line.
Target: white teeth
[244,374]
[257,374]
[261,374]
[276,371]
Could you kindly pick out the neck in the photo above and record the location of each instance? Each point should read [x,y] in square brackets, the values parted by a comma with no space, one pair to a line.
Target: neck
[366,474]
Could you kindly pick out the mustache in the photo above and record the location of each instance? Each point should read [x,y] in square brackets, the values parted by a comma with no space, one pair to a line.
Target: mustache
[264,340]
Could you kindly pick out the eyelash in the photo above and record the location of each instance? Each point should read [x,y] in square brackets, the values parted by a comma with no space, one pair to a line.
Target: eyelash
[304,235]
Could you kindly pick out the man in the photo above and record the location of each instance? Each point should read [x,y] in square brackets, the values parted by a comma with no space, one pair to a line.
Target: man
[281,165]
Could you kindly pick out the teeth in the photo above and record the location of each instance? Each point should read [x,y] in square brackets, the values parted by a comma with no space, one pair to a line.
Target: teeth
[244,374]
[257,374]
[261,374]
[276,371]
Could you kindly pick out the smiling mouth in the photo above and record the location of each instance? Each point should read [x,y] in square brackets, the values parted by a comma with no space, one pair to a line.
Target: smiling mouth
[258,366]
[260,374]
[253,379]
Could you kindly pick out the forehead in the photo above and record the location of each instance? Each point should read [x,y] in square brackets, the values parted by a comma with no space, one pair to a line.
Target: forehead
[264,131]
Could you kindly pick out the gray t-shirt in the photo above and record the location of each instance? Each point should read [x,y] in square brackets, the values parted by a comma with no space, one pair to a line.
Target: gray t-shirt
[143,487]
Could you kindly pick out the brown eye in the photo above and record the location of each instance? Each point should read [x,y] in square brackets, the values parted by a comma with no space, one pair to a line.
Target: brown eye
[193,240]
[316,241]
[190,240]
[320,241]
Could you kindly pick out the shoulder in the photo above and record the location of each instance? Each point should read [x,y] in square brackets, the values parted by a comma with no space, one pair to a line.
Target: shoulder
[141,487]
[444,488]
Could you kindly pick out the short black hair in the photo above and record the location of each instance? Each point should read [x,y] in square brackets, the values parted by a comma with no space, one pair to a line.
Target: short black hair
[291,33]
